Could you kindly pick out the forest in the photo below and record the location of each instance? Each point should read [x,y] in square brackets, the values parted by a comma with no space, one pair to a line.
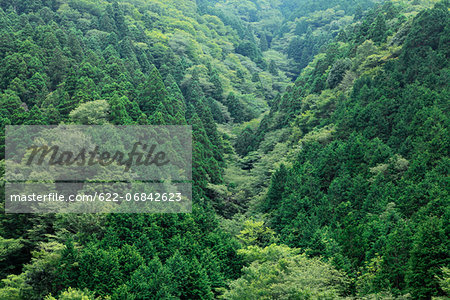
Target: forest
[320,159]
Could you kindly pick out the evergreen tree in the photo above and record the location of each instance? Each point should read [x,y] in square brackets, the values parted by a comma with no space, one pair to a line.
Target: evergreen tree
[68,271]
[52,115]
[217,86]
[358,12]
[273,68]
[276,189]
[237,110]
[106,21]
[35,117]
[216,110]
[378,29]
[118,113]
[36,90]
[191,280]
[119,20]
[160,116]
[133,110]
[66,103]
[198,101]
[176,103]
[263,44]
[205,166]
[245,143]
[152,281]
[152,93]
[429,254]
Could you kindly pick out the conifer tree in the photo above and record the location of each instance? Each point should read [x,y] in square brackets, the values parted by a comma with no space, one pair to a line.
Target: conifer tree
[153,93]
[273,68]
[378,29]
[263,44]
[276,189]
[245,141]
[36,89]
[160,116]
[118,113]
[119,19]
[218,88]
[66,104]
[175,102]
[237,110]
[190,279]
[151,281]
[133,110]
[429,254]
[52,115]
[205,166]
[35,117]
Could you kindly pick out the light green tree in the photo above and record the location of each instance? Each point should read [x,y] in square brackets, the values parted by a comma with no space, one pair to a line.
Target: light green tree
[279,272]
[91,113]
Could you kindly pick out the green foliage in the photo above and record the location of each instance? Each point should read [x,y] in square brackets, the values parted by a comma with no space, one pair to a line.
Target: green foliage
[91,113]
[245,142]
[13,287]
[153,93]
[429,251]
[37,279]
[337,72]
[10,251]
[72,294]
[444,281]
[367,180]
[238,111]
[350,164]
[280,272]
[118,112]
[276,189]
[378,30]
[256,234]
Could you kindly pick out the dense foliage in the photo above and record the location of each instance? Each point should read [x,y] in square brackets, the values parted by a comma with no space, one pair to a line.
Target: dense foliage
[366,127]
[334,185]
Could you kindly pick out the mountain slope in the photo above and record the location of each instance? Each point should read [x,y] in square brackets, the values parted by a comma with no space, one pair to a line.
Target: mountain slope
[333,186]
[367,126]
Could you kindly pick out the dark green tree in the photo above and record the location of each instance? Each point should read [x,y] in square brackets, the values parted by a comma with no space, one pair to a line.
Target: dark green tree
[118,114]
[378,29]
[245,142]
[263,44]
[430,252]
[152,93]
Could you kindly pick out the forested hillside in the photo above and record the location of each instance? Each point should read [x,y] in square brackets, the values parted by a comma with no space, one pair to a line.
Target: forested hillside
[320,146]
[362,143]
